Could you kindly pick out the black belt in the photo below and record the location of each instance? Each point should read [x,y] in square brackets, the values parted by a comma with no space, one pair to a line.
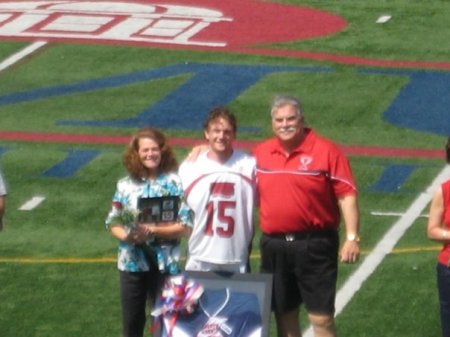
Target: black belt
[303,235]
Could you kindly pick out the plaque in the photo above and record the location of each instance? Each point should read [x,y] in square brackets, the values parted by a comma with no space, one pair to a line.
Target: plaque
[158,209]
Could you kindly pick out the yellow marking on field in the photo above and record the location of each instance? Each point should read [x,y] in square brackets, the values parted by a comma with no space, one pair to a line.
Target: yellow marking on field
[62,260]
[416,249]
[81,260]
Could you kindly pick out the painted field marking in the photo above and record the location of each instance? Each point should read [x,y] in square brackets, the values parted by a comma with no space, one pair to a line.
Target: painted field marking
[377,213]
[113,259]
[385,245]
[13,59]
[32,203]
[61,260]
[383,19]
[412,250]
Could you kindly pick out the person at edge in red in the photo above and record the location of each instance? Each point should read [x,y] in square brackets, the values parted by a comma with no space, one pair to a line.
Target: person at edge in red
[305,186]
[438,229]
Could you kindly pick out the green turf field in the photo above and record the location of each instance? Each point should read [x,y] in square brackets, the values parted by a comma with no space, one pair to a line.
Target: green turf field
[57,262]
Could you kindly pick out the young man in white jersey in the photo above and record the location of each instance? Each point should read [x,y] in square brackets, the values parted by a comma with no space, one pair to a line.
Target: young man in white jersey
[219,186]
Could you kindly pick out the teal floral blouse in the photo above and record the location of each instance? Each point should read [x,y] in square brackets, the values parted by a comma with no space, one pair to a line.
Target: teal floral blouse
[132,258]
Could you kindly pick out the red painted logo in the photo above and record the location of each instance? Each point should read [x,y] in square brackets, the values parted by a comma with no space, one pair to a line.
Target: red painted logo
[199,23]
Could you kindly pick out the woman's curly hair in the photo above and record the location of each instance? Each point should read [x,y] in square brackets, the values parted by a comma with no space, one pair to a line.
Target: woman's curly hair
[131,158]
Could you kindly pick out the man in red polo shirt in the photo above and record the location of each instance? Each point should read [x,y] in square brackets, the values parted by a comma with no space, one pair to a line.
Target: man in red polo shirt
[305,185]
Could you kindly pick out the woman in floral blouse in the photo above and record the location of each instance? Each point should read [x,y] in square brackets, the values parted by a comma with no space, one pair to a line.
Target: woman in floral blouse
[147,250]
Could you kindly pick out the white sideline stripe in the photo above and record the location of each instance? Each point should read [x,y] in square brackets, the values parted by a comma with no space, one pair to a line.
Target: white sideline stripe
[32,203]
[385,246]
[394,214]
[21,54]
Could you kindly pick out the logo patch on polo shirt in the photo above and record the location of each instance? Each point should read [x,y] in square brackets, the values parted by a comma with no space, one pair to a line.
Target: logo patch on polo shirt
[304,162]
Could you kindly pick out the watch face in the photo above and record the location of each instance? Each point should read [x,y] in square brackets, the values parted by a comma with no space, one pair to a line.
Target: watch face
[352,237]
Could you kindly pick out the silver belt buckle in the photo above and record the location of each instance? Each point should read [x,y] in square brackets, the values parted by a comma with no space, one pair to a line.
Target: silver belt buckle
[289,237]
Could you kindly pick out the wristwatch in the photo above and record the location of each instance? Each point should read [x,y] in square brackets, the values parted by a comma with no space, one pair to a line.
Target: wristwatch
[353,237]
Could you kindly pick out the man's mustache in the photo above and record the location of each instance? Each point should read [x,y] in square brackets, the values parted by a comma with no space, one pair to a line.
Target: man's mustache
[288,129]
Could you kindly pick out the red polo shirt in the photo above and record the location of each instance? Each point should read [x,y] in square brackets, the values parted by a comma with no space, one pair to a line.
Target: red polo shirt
[298,192]
[444,255]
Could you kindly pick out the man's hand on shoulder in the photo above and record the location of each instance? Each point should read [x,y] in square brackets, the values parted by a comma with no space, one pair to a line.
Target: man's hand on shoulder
[195,152]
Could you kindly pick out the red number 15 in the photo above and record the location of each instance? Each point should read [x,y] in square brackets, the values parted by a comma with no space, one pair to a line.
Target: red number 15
[225,223]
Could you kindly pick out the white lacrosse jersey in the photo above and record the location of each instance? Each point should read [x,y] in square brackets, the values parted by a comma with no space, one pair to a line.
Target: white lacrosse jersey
[222,197]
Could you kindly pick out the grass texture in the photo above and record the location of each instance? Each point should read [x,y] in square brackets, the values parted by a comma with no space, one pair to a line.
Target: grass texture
[57,262]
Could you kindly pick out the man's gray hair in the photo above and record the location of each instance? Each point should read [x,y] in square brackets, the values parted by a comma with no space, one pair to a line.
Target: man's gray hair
[280,101]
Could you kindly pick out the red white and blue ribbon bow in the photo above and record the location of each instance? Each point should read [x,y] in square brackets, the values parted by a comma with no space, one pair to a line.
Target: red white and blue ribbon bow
[179,296]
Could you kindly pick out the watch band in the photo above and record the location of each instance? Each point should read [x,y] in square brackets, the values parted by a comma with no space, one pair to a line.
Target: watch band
[353,237]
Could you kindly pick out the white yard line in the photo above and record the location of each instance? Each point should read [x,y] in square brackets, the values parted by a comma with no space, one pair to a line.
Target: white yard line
[21,54]
[386,245]
[383,19]
[377,213]
[32,203]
